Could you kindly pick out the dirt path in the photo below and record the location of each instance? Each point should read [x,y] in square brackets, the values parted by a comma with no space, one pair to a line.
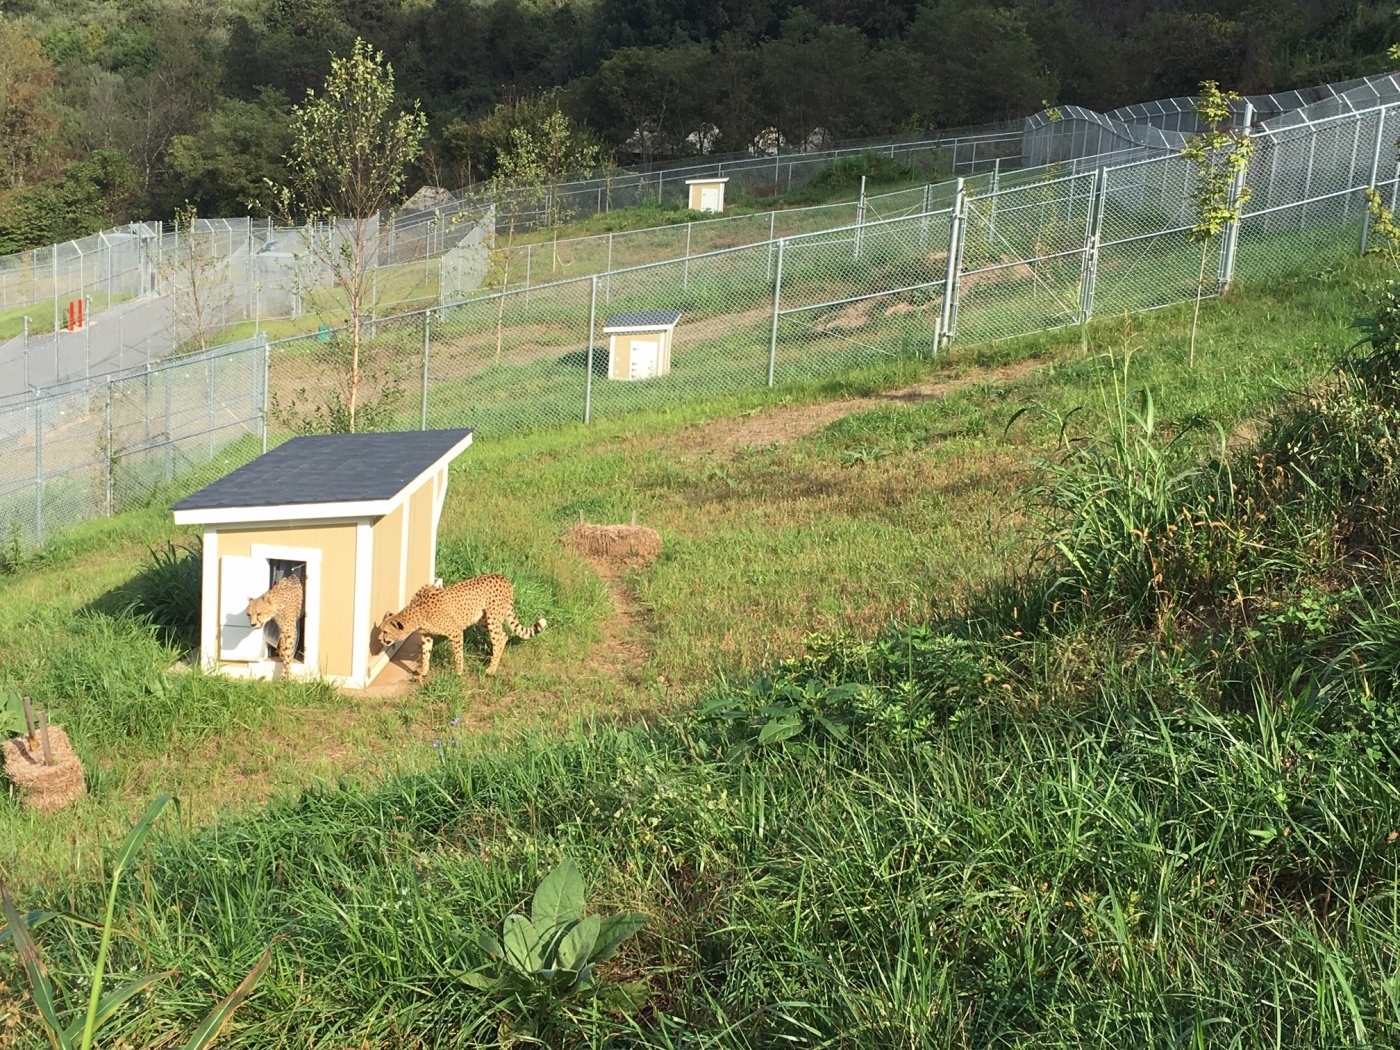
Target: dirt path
[790,422]
[622,646]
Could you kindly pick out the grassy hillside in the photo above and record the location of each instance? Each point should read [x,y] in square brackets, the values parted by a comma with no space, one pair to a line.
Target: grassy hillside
[1119,771]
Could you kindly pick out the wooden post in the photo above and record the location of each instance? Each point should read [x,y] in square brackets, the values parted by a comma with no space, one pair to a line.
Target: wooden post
[29,726]
[44,736]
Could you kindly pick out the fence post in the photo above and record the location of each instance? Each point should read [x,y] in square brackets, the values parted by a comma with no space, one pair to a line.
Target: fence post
[607,289]
[38,469]
[107,444]
[266,385]
[777,298]
[685,285]
[1371,183]
[1232,234]
[54,252]
[992,206]
[944,333]
[588,373]
[860,218]
[923,224]
[165,373]
[529,266]
[1093,227]
[211,407]
[427,340]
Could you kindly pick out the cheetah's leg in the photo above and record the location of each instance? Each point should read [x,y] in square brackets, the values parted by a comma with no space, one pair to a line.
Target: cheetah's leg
[286,648]
[455,638]
[425,655]
[498,644]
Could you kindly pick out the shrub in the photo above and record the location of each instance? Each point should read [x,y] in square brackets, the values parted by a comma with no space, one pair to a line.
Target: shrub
[167,594]
[845,173]
[1129,521]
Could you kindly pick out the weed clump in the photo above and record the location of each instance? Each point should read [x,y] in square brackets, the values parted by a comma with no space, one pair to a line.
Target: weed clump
[167,594]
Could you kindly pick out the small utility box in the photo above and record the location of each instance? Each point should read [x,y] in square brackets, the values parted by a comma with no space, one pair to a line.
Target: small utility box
[639,344]
[356,513]
[707,194]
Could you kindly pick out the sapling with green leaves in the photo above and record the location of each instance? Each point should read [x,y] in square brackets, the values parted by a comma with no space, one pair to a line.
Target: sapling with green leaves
[75,1030]
[351,148]
[526,184]
[547,963]
[1221,155]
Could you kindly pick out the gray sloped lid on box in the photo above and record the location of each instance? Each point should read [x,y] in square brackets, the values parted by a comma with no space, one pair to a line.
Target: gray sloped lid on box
[643,318]
[329,468]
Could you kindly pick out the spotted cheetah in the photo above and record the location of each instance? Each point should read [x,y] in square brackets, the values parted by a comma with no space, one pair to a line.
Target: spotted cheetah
[282,605]
[448,611]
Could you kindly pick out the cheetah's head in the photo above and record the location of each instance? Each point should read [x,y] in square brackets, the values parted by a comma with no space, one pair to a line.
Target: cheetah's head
[392,628]
[260,610]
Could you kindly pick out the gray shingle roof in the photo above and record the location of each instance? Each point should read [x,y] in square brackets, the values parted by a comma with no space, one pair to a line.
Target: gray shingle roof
[328,468]
[655,318]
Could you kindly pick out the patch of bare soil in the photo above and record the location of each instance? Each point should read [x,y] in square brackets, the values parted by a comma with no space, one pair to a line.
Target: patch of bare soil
[778,426]
[614,551]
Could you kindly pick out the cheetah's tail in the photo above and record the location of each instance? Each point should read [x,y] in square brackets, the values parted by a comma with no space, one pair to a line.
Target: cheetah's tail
[523,632]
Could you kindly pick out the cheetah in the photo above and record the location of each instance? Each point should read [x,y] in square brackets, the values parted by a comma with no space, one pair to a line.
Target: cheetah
[448,611]
[282,605]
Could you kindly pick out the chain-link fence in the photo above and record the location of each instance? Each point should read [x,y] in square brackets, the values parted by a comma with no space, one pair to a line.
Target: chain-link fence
[997,256]
[129,440]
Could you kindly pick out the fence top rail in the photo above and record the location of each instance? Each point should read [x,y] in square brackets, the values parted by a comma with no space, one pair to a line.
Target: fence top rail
[536,289]
[805,210]
[91,384]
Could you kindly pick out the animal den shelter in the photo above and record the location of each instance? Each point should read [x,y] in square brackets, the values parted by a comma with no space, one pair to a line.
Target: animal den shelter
[639,344]
[358,513]
[706,194]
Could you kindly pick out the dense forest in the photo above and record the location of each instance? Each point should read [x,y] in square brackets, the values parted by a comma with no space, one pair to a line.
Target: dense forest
[123,108]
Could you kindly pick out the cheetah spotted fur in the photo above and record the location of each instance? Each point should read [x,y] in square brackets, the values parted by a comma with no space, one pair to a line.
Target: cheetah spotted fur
[448,611]
[281,605]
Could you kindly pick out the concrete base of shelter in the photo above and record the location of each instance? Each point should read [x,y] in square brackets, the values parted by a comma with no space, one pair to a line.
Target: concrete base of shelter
[395,678]
[45,788]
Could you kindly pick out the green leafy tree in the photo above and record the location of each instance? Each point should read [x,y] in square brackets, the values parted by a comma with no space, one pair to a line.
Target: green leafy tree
[1221,155]
[87,196]
[525,186]
[350,149]
[26,125]
[224,167]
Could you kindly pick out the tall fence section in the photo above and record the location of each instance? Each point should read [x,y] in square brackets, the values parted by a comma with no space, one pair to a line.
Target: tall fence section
[985,257]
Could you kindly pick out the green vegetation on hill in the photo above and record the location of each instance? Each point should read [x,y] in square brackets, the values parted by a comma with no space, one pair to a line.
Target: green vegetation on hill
[194,97]
[1126,778]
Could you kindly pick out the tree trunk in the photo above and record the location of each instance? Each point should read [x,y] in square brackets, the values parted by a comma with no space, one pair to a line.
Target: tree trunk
[354,354]
[1200,289]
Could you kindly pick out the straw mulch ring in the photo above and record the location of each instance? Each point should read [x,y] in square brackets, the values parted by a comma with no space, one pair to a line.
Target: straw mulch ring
[45,788]
[633,544]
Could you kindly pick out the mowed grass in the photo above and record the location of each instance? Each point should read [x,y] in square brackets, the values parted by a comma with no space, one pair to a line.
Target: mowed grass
[782,517]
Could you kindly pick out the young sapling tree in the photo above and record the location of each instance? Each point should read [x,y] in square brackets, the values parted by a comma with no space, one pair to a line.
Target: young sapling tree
[350,149]
[192,273]
[1221,155]
[525,186]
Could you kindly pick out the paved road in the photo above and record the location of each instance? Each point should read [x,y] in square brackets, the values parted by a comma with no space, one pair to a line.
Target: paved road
[124,336]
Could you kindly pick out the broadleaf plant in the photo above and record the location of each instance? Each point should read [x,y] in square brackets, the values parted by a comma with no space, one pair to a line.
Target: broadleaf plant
[542,966]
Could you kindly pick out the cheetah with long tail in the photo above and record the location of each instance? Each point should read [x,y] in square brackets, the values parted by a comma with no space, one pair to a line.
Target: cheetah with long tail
[448,611]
